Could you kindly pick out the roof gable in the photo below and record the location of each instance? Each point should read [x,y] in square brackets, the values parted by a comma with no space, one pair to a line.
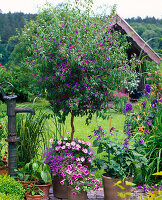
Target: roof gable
[117,20]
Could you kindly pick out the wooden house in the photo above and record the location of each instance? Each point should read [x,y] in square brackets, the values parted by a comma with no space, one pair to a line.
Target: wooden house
[142,50]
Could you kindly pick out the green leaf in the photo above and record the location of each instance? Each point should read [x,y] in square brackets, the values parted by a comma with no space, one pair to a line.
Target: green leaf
[129,194]
[34,167]
[44,176]
[96,143]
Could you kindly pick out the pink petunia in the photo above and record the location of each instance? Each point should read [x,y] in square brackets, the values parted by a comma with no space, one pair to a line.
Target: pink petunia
[77,187]
[59,142]
[51,140]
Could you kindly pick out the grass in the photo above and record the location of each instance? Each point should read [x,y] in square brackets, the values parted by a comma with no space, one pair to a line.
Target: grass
[82,131]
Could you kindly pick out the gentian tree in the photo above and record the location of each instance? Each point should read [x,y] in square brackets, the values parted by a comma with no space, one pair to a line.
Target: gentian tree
[77,59]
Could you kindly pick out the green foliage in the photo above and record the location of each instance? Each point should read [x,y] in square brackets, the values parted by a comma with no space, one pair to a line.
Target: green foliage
[115,161]
[145,128]
[119,102]
[34,190]
[76,59]
[30,129]
[150,29]
[10,186]
[39,171]
[36,170]
[10,23]
[9,197]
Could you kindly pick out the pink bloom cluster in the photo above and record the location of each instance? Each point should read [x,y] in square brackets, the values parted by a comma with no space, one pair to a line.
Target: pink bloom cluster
[77,176]
[80,148]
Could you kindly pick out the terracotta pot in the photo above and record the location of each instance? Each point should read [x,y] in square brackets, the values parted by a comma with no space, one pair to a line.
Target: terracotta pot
[111,191]
[35,197]
[59,191]
[4,169]
[81,196]
[25,183]
[45,188]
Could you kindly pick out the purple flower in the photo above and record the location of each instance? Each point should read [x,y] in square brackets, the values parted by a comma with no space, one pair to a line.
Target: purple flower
[154,103]
[141,141]
[129,107]
[148,122]
[143,104]
[147,90]
[112,129]
[126,144]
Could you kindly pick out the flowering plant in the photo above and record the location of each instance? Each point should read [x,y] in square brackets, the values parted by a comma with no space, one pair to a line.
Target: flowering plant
[116,161]
[75,150]
[77,175]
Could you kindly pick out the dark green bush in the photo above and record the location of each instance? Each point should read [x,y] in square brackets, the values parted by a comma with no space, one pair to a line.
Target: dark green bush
[10,186]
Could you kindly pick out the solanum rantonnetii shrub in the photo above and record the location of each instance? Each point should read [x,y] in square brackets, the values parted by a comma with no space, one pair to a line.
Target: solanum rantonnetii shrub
[77,59]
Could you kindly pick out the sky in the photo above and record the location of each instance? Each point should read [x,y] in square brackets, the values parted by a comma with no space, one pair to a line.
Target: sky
[125,8]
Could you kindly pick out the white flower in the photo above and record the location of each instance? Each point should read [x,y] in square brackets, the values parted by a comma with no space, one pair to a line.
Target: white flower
[51,140]
[88,143]
[82,159]
[85,150]
[73,143]
[67,144]
[79,141]
[65,139]
[59,142]
[78,159]
[78,146]
[83,142]
[63,147]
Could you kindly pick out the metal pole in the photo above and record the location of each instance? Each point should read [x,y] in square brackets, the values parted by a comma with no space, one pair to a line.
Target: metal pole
[12,136]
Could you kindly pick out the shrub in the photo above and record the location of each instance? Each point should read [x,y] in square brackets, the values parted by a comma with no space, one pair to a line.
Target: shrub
[9,197]
[10,186]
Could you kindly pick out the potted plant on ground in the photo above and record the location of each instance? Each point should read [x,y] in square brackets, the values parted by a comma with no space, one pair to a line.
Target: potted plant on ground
[79,181]
[38,173]
[34,192]
[117,161]
[66,151]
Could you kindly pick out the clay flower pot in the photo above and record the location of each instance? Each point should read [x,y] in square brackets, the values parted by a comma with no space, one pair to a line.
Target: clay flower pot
[59,191]
[35,197]
[45,188]
[81,196]
[111,191]
[4,169]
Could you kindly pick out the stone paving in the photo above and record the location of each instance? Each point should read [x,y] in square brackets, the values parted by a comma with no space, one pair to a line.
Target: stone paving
[98,195]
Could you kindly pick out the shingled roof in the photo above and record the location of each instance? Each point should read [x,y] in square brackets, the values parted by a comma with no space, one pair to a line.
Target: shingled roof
[142,47]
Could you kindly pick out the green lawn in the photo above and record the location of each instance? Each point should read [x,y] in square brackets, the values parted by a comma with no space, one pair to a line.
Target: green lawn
[82,131]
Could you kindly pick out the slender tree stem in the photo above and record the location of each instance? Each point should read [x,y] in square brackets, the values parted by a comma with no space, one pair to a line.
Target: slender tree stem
[72,125]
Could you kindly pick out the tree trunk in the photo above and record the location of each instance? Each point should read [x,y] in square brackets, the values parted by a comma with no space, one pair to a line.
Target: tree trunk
[72,125]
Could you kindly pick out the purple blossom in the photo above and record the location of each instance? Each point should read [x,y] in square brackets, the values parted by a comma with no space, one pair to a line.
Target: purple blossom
[129,107]
[147,90]
[126,144]
[141,141]
[154,103]
[143,104]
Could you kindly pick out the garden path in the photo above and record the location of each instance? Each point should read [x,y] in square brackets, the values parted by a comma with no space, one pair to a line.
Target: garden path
[99,195]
